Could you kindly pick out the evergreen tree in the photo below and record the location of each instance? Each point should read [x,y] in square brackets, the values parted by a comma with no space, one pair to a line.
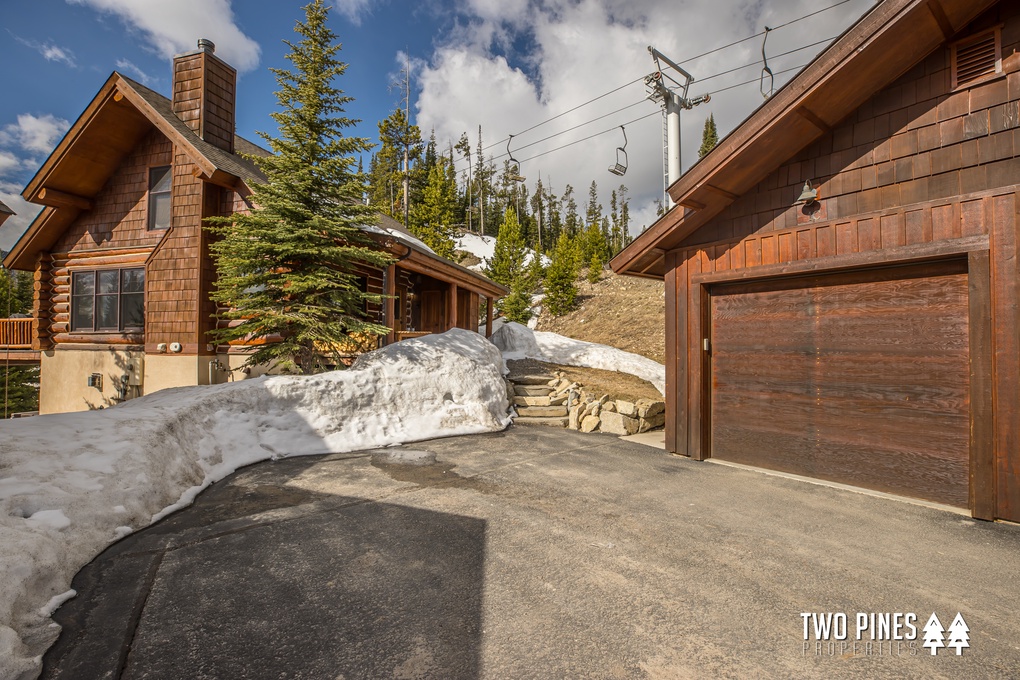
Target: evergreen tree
[19,385]
[386,174]
[571,222]
[508,268]
[595,266]
[593,213]
[285,270]
[709,137]
[560,286]
[463,147]
[624,217]
[432,219]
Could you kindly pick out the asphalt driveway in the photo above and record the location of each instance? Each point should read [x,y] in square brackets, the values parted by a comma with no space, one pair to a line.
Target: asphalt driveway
[538,553]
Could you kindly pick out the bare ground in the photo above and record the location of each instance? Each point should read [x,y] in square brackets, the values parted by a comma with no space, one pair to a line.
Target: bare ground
[616,385]
[620,311]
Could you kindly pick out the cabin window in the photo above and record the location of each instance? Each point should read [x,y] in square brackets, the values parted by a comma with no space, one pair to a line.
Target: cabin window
[160,181]
[975,58]
[108,300]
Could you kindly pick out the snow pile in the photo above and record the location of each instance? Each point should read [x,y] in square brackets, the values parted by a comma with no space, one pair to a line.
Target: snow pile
[519,342]
[74,483]
[484,248]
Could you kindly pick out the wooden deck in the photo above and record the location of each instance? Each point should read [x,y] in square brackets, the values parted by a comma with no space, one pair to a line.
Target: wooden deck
[16,343]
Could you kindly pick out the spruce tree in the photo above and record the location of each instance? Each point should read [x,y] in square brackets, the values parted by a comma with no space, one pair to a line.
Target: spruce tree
[709,136]
[508,268]
[560,286]
[432,219]
[285,270]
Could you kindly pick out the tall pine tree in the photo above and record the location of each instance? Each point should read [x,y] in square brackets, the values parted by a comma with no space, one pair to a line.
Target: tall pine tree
[709,136]
[432,218]
[285,270]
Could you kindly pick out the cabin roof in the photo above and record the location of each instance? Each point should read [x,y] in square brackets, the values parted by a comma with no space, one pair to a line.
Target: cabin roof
[882,45]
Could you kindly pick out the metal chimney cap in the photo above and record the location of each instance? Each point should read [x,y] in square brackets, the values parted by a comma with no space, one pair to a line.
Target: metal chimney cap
[206,45]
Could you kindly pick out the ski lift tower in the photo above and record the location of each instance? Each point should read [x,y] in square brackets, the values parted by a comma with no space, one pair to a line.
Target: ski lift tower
[671,93]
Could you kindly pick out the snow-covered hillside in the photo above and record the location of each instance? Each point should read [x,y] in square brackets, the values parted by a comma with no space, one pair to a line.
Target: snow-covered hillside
[484,247]
[74,483]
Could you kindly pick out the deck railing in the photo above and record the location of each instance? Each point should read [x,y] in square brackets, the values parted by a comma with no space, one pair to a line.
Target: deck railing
[16,333]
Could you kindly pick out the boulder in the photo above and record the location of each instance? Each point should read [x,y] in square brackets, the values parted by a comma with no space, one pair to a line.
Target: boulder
[589,424]
[574,421]
[617,423]
[652,422]
[626,408]
[647,408]
[609,406]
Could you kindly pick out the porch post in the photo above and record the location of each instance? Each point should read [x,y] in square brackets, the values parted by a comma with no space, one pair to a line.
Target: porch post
[489,302]
[451,307]
[388,303]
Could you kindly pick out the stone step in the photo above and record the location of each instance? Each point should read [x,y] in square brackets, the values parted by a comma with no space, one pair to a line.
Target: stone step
[532,420]
[543,411]
[531,379]
[532,401]
[532,391]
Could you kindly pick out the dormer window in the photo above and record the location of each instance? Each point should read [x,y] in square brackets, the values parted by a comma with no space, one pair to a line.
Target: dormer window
[976,58]
[160,182]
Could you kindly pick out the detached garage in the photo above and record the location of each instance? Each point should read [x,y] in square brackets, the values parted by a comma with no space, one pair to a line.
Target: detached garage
[868,336]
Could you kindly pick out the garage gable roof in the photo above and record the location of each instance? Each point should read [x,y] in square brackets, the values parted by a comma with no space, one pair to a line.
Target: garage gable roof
[883,45]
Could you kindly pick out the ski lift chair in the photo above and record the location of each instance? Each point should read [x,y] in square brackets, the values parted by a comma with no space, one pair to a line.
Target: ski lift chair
[620,168]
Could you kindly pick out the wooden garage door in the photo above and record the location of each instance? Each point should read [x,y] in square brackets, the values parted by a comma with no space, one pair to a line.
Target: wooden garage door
[856,378]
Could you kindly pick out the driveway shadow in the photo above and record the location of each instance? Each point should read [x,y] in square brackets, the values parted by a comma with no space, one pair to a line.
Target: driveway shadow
[259,579]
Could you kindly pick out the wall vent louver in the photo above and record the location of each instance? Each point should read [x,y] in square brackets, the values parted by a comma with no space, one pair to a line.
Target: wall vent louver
[976,57]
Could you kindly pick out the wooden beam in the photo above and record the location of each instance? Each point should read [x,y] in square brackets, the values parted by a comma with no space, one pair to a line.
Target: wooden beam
[813,118]
[901,255]
[721,192]
[982,432]
[489,304]
[61,199]
[388,306]
[692,204]
[451,307]
[941,19]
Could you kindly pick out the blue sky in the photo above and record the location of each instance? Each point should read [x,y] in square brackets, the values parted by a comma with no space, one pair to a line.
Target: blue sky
[502,64]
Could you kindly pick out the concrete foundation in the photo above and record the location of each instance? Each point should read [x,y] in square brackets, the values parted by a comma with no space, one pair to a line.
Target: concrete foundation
[65,374]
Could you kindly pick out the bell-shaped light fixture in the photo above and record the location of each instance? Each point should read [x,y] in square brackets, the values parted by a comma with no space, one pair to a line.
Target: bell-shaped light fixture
[807,195]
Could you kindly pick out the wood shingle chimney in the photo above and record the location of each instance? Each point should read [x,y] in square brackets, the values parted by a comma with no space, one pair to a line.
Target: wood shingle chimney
[204,94]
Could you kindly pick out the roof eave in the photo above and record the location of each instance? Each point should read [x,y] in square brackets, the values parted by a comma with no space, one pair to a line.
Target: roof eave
[866,58]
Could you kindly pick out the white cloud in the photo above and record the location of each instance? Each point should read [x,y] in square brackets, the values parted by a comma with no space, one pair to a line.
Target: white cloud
[50,52]
[353,9]
[129,67]
[564,52]
[36,134]
[9,163]
[175,27]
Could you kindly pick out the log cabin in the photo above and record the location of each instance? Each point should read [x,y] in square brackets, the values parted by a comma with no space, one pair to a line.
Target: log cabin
[841,271]
[121,262]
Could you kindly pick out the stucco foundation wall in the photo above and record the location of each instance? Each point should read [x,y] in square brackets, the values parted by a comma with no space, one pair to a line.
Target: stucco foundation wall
[64,374]
[178,370]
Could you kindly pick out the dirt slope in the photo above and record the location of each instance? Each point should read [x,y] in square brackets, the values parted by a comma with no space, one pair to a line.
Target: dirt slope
[620,311]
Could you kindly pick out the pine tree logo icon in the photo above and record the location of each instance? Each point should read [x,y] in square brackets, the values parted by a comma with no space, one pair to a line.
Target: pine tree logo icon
[933,638]
[958,634]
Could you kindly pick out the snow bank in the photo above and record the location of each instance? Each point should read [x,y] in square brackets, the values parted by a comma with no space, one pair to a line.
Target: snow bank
[518,342]
[74,483]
